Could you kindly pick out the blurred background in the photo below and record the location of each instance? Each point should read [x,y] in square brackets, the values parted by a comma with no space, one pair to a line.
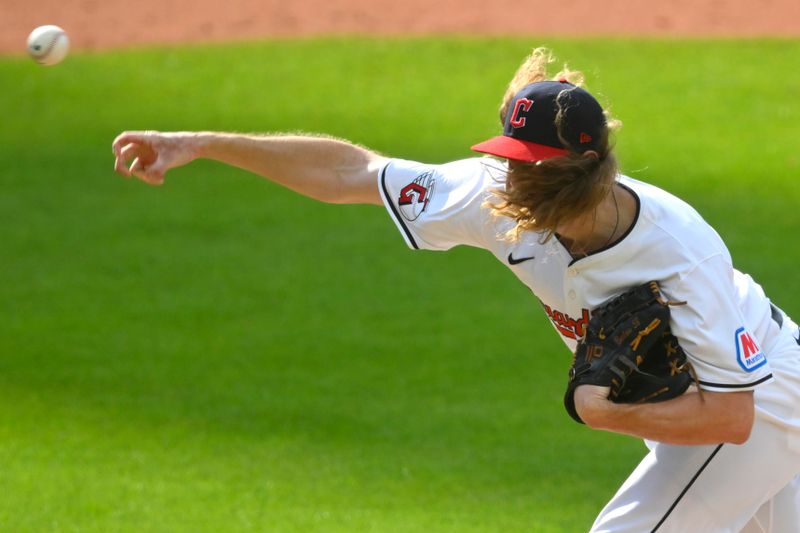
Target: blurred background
[219,354]
[95,24]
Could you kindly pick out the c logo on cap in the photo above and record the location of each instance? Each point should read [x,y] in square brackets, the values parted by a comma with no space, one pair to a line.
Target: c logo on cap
[523,104]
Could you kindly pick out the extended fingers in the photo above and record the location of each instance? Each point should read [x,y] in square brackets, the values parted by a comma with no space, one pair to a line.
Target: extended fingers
[137,153]
[134,153]
[123,147]
[123,154]
[128,137]
[145,173]
[127,146]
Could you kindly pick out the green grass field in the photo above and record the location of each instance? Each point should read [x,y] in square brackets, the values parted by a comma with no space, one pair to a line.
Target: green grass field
[222,355]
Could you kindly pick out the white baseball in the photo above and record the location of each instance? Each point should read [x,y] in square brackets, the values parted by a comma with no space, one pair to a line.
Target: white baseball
[48,45]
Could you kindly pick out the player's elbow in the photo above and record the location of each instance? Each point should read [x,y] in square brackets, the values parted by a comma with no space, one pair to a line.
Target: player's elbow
[350,187]
[334,193]
[353,195]
[741,428]
[737,415]
[740,438]
[592,417]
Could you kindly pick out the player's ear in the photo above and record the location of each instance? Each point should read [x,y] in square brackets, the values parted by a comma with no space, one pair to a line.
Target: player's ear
[513,163]
[591,154]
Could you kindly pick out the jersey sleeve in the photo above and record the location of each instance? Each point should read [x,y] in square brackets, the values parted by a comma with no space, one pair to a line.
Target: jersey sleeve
[714,332]
[436,207]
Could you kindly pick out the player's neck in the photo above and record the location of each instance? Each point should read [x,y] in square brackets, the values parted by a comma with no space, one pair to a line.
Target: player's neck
[597,230]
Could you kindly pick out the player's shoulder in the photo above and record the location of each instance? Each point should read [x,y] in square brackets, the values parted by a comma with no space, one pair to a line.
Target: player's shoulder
[674,219]
[439,206]
[648,189]
[474,177]
[659,204]
[462,169]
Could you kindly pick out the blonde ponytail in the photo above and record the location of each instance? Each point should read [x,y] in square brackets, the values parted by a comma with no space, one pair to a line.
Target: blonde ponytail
[542,196]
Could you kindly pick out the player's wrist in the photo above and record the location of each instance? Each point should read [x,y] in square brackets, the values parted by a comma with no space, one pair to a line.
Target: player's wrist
[200,144]
[593,405]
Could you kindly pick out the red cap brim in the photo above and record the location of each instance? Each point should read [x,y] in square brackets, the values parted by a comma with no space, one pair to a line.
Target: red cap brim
[512,148]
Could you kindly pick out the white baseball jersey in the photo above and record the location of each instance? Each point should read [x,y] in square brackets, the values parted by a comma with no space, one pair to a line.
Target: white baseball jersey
[733,336]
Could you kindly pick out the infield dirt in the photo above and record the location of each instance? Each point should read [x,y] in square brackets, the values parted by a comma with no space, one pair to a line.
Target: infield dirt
[98,24]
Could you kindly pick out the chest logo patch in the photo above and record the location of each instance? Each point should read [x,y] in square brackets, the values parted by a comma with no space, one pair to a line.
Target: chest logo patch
[748,354]
[415,197]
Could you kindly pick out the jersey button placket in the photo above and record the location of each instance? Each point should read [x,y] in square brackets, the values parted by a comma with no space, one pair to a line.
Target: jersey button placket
[572,308]
[569,285]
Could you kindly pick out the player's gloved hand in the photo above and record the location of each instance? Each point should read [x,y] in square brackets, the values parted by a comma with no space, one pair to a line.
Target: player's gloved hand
[148,155]
[629,352]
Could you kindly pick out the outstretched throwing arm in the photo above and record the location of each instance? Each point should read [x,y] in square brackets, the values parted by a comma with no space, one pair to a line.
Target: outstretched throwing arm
[323,168]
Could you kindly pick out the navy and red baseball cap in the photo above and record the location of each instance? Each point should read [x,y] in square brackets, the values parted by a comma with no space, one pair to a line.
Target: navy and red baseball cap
[530,132]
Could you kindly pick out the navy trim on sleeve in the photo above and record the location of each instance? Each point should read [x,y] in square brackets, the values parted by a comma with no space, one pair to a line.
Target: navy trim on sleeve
[395,214]
[729,386]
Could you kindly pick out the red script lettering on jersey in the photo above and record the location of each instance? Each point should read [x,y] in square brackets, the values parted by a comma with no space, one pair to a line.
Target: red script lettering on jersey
[566,325]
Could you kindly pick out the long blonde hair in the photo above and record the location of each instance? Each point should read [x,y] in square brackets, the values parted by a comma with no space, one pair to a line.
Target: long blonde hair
[541,195]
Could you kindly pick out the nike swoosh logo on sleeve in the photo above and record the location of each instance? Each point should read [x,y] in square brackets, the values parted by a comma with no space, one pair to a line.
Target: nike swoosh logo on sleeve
[515,261]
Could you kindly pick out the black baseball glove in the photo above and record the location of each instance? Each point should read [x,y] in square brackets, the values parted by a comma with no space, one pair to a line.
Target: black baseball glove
[629,348]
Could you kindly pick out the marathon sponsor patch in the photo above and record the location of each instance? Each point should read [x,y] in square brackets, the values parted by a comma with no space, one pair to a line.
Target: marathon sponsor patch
[748,354]
[415,197]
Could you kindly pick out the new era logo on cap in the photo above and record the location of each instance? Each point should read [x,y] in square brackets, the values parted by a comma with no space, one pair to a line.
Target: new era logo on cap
[531,133]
